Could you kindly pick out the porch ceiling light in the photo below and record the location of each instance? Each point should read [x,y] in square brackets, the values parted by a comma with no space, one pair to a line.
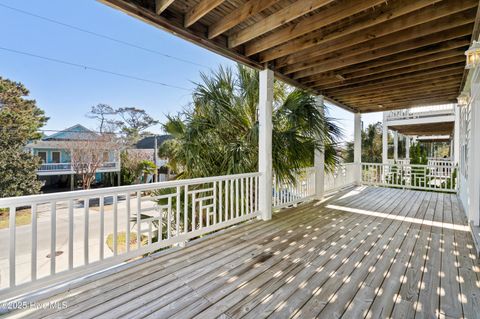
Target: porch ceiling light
[473,55]
[463,99]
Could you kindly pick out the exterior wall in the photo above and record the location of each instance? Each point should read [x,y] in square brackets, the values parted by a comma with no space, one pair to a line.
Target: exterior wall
[64,155]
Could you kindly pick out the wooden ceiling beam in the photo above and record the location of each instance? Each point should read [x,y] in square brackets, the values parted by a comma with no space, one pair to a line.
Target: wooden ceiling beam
[407,56]
[320,46]
[321,36]
[200,10]
[329,16]
[381,99]
[237,16]
[411,87]
[400,91]
[455,60]
[335,77]
[399,106]
[162,5]
[346,59]
[412,100]
[275,20]
[431,76]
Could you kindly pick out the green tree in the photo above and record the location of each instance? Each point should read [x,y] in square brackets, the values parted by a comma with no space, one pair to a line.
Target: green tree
[371,145]
[133,123]
[218,134]
[20,120]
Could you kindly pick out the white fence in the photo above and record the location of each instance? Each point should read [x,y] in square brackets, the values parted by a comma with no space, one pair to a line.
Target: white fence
[424,177]
[343,176]
[288,193]
[419,112]
[77,232]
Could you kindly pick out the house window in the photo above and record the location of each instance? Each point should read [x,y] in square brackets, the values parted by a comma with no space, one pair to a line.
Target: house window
[106,157]
[55,157]
[43,156]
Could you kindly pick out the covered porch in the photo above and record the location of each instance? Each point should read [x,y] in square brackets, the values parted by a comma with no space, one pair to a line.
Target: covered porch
[365,252]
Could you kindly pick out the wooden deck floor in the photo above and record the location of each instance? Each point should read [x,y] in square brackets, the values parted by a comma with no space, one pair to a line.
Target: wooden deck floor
[373,252]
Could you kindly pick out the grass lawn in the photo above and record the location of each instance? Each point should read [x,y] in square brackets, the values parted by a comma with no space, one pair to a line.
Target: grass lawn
[23,217]
[121,241]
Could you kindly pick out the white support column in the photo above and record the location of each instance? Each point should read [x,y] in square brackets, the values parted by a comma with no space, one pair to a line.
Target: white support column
[265,142]
[456,137]
[395,146]
[407,147]
[357,148]
[384,139]
[319,160]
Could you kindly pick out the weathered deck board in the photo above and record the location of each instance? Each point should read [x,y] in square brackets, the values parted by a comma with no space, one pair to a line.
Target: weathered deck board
[383,259]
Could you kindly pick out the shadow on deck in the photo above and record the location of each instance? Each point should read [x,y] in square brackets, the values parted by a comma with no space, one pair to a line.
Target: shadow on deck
[367,252]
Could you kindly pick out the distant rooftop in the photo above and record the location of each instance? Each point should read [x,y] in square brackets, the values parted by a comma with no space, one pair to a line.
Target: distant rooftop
[149,142]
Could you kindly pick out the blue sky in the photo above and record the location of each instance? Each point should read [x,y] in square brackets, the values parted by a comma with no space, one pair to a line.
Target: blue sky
[66,93]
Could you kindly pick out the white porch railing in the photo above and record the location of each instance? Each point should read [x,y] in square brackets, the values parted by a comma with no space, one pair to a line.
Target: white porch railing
[67,167]
[76,233]
[285,194]
[419,112]
[423,177]
[343,176]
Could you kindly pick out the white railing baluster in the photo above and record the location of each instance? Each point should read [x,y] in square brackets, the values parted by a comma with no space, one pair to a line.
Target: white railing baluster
[12,249]
[220,201]
[102,226]
[177,211]
[115,224]
[86,210]
[231,199]
[169,218]
[34,242]
[53,236]
[214,204]
[185,210]
[139,226]
[71,224]
[129,215]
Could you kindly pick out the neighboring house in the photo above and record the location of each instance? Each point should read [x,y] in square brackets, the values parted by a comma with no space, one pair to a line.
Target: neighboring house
[147,145]
[56,170]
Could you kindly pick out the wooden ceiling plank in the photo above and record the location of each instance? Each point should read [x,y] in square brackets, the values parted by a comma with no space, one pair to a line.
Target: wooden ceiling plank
[399,92]
[322,36]
[421,20]
[329,16]
[345,60]
[410,57]
[397,88]
[275,20]
[162,5]
[383,98]
[322,44]
[399,80]
[457,60]
[400,89]
[237,16]
[200,10]
[437,99]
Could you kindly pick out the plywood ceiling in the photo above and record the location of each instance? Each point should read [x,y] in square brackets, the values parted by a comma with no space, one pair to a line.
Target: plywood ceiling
[366,55]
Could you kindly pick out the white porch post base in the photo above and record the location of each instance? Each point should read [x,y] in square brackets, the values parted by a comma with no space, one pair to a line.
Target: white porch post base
[357,148]
[265,143]
[319,162]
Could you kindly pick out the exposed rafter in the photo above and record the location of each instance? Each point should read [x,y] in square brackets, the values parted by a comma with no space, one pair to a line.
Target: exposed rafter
[287,14]
[200,10]
[162,5]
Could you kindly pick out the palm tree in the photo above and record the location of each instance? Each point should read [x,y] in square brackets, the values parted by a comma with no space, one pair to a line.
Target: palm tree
[218,134]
